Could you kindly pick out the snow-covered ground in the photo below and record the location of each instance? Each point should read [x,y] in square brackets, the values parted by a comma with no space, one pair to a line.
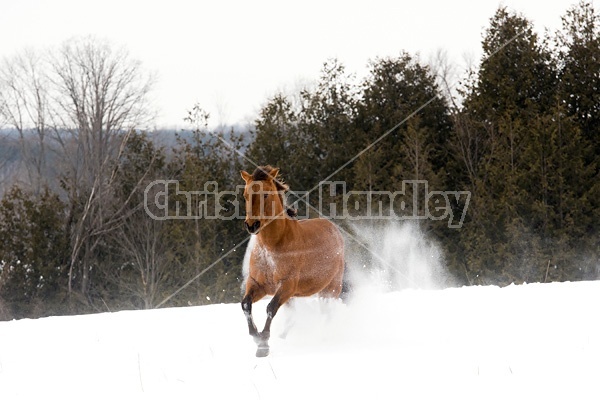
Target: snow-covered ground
[531,341]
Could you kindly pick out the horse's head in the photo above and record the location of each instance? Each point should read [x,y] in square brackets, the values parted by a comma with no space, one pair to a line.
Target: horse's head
[264,197]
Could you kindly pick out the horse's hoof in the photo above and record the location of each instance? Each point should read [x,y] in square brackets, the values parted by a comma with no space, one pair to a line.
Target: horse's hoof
[262,351]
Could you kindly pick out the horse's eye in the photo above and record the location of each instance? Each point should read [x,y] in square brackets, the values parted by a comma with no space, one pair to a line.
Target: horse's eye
[266,195]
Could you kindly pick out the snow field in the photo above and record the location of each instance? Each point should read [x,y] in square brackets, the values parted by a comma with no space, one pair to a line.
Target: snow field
[530,341]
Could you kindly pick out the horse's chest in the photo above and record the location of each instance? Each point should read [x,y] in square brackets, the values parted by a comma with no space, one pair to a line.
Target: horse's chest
[271,264]
[264,259]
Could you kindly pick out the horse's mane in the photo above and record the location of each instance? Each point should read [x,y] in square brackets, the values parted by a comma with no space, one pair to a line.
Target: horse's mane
[262,174]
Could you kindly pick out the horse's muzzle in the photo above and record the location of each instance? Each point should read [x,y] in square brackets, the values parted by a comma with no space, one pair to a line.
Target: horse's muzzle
[253,229]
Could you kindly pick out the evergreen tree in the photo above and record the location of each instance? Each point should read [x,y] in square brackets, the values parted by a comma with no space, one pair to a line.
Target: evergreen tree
[207,162]
[34,253]
[525,159]
[579,91]
[395,89]
[579,54]
[326,120]
[277,141]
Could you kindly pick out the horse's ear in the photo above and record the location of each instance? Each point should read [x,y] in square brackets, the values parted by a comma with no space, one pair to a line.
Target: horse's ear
[246,176]
[273,173]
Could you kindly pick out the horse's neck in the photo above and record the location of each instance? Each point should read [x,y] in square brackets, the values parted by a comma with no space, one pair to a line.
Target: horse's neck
[277,232]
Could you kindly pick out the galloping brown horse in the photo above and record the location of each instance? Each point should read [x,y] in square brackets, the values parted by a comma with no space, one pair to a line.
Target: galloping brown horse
[290,257]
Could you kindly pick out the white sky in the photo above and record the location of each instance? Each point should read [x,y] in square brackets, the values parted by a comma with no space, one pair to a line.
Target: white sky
[230,56]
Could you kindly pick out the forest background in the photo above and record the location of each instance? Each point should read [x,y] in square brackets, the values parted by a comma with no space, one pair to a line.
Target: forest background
[521,133]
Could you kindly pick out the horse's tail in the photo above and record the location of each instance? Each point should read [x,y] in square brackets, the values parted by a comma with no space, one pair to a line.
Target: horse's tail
[346,285]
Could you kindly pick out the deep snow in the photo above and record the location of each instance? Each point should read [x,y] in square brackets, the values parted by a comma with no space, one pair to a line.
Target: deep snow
[530,341]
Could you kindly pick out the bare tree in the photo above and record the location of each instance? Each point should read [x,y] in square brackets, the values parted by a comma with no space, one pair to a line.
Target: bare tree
[143,241]
[24,105]
[81,103]
[446,75]
[100,95]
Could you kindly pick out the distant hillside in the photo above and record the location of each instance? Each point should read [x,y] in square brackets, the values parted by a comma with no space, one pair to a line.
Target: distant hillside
[13,163]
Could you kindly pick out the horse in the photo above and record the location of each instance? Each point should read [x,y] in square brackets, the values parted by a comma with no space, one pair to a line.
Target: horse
[290,257]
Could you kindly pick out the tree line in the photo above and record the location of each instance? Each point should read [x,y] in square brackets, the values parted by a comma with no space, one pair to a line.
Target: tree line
[520,133]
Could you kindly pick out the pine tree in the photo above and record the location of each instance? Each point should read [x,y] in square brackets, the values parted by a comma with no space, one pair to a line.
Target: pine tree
[326,120]
[394,91]
[34,251]
[209,161]
[278,142]
[579,54]
[515,85]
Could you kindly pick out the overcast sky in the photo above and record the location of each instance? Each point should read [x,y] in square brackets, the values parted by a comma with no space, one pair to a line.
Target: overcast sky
[230,56]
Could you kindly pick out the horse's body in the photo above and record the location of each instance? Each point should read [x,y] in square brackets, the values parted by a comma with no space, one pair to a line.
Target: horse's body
[290,257]
[310,260]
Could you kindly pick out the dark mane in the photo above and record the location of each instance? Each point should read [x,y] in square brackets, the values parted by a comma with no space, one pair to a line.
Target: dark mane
[262,174]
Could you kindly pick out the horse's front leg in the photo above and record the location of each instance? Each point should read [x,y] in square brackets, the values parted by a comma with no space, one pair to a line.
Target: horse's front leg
[253,293]
[283,294]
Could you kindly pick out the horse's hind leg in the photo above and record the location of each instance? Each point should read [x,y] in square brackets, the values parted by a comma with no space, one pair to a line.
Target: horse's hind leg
[289,321]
